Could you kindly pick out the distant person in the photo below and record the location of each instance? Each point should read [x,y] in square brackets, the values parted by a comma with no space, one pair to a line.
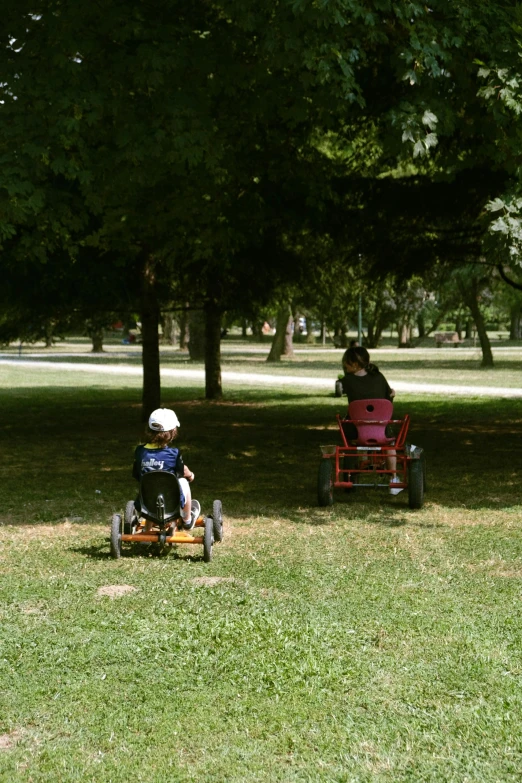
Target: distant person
[159,454]
[353,344]
[362,380]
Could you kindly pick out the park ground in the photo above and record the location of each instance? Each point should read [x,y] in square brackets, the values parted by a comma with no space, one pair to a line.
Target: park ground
[361,642]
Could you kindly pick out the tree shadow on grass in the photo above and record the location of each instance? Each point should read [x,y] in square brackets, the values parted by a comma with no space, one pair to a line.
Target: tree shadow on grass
[258,451]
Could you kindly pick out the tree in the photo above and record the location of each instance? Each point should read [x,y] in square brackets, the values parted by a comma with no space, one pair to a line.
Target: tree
[192,136]
[472,281]
[282,340]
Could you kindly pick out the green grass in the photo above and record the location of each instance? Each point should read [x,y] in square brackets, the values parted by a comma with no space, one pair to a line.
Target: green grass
[460,366]
[366,642]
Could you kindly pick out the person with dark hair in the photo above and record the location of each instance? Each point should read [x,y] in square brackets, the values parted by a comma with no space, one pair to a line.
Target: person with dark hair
[363,381]
[159,454]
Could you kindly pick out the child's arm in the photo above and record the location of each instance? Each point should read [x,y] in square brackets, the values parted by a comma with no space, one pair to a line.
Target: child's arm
[182,471]
[188,474]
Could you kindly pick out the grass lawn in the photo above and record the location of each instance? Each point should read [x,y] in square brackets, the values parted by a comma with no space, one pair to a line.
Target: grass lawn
[361,642]
[457,366]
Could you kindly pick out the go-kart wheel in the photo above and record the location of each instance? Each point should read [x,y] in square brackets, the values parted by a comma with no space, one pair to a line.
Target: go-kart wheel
[423,461]
[116,536]
[217,518]
[415,484]
[130,517]
[338,389]
[324,483]
[208,539]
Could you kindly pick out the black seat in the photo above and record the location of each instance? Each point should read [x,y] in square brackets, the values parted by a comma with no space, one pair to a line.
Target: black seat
[160,496]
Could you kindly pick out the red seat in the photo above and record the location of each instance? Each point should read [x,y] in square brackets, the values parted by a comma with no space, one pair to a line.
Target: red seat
[371,417]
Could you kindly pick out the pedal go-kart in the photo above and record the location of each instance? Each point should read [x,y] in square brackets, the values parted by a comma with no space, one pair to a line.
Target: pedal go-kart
[159,518]
[361,461]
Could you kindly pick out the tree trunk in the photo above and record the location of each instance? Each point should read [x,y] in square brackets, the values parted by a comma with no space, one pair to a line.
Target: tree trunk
[244,326]
[169,329]
[515,326]
[197,327]
[296,331]
[470,294]
[469,330]
[487,354]
[257,331]
[310,338]
[48,330]
[184,334]
[97,339]
[213,388]
[404,332]
[375,328]
[340,336]
[282,340]
[150,317]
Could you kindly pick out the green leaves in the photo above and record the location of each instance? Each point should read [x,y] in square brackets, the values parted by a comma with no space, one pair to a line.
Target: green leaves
[507,229]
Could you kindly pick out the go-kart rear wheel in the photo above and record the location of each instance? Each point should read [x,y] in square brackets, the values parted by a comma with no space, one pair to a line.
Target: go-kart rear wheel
[116,536]
[423,460]
[130,517]
[338,389]
[217,518]
[208,539]
[415,484]
[324,483]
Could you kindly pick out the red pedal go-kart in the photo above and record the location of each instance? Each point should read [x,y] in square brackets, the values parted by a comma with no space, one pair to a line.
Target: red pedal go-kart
[158,519]
[366,451]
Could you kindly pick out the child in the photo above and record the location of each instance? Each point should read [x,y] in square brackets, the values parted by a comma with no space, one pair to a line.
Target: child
[158,454]
[363,381]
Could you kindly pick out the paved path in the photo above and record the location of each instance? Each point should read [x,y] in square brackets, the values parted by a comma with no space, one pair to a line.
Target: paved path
[262,379]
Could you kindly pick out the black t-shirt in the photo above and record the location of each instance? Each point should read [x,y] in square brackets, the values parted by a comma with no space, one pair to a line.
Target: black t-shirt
[372,386]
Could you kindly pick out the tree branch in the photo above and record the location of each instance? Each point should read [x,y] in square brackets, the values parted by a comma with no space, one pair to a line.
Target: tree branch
[507,280]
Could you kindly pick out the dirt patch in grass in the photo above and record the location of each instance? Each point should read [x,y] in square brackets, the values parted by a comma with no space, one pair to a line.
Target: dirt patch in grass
[496,567]
[115,591]
[8,741]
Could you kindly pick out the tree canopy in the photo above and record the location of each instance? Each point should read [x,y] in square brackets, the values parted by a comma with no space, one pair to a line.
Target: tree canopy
[202,142]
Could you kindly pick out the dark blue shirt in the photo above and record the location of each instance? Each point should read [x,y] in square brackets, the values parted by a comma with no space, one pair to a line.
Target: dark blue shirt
[148,458]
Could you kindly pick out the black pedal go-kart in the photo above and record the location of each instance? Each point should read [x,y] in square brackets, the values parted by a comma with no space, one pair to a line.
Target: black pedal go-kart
[156,518]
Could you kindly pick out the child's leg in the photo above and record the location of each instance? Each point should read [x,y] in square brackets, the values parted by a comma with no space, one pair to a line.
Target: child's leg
[391,461]
[185,488]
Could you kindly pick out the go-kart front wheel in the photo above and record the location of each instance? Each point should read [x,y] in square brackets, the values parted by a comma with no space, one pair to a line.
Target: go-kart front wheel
[116,536]
[208,539]
[217,518]
[415,484]
[324,483]
[130,517]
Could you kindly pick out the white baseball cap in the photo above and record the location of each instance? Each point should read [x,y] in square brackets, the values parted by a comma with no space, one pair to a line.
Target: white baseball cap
[163,420]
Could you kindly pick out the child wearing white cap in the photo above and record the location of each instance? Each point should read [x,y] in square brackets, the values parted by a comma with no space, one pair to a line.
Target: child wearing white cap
[159,454]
